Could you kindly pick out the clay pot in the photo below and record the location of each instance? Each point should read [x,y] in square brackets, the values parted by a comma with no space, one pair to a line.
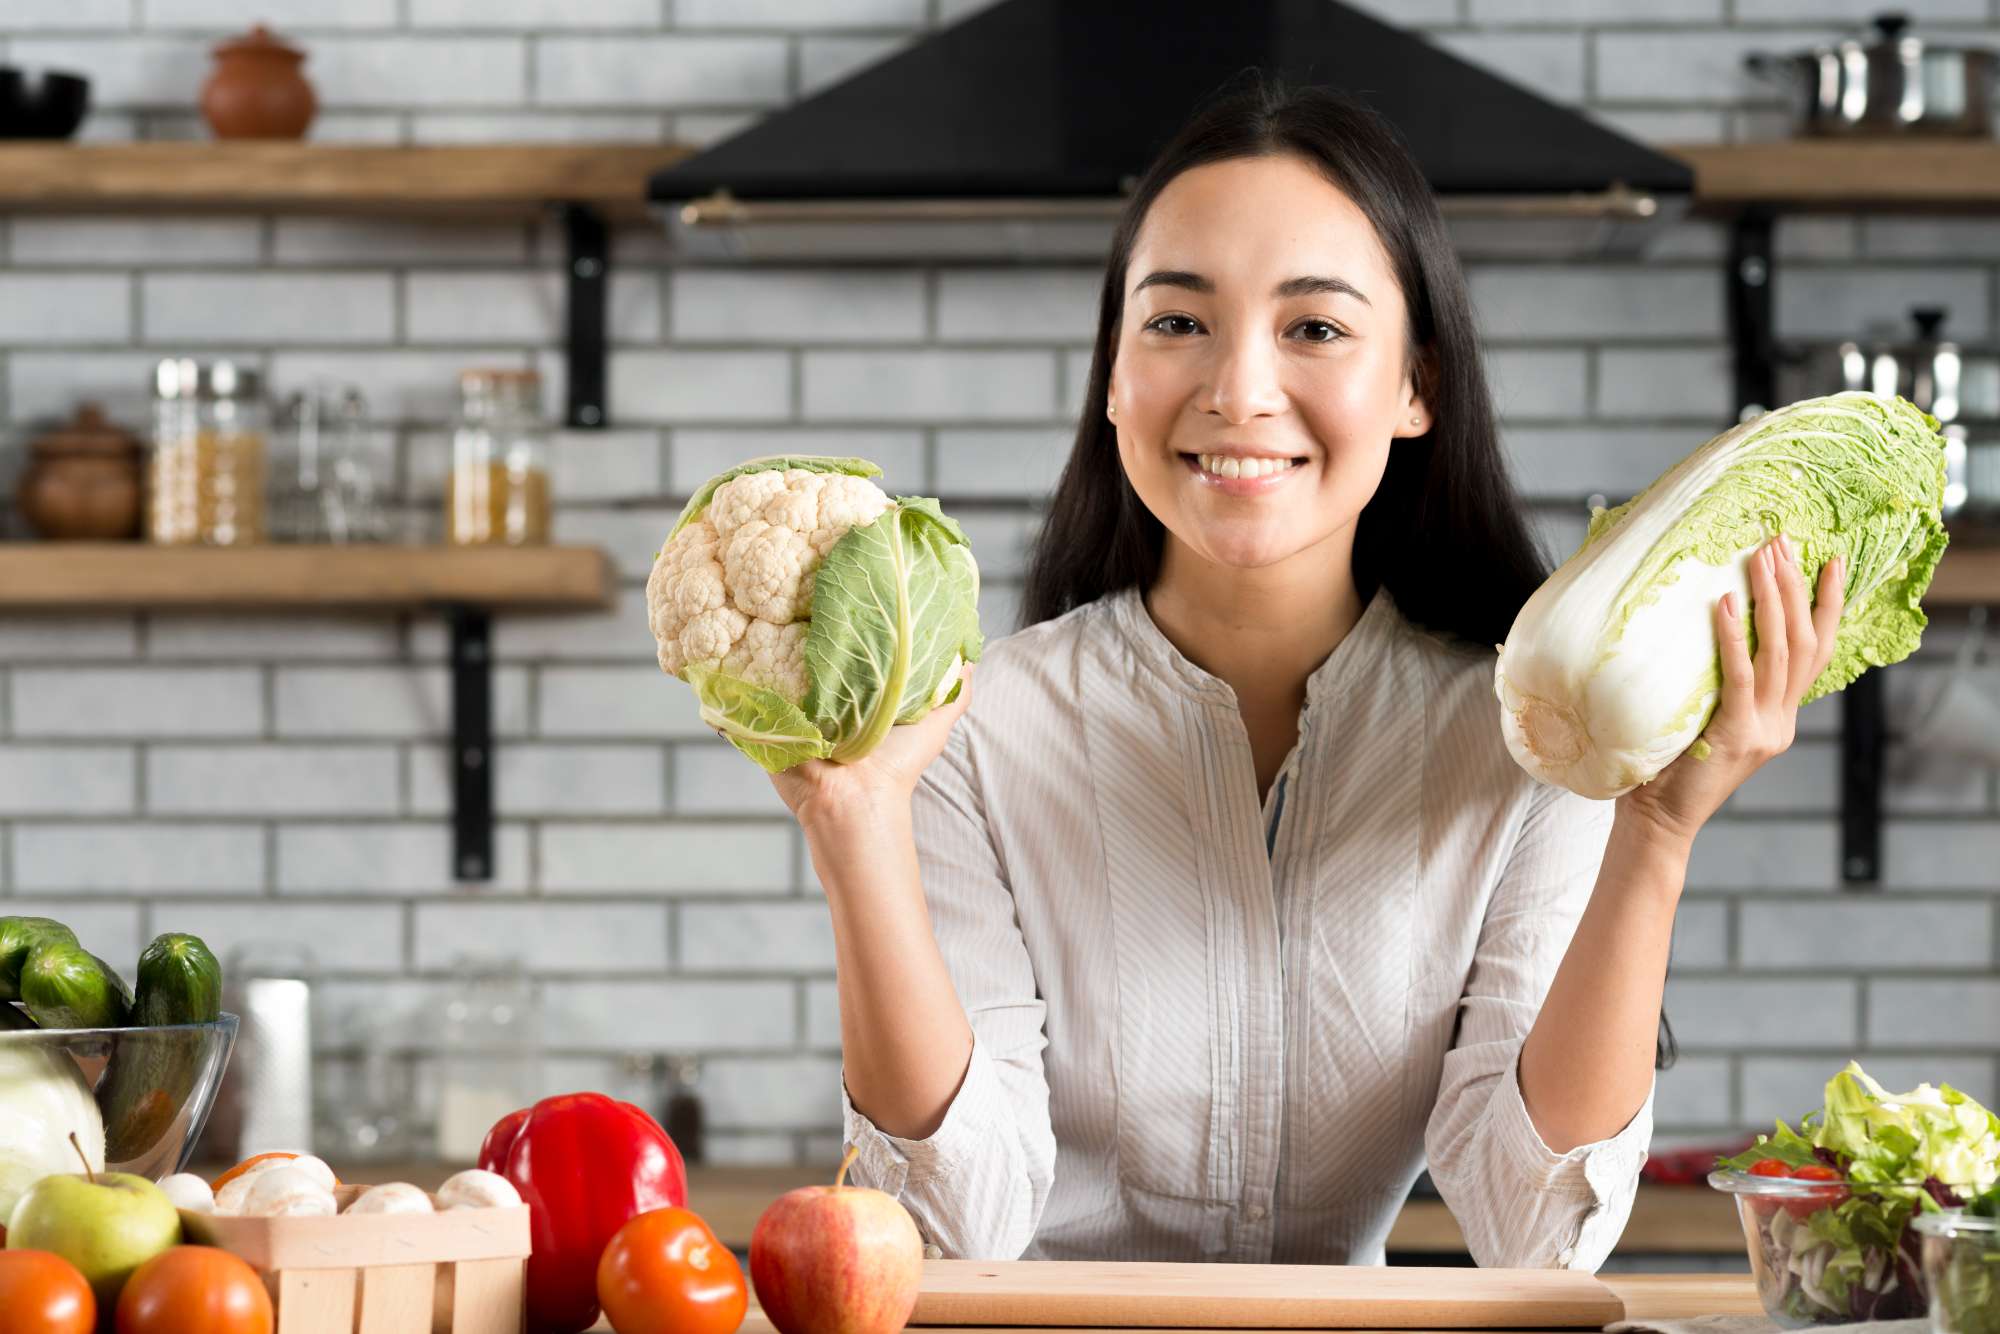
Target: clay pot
[258,90]
[82,482]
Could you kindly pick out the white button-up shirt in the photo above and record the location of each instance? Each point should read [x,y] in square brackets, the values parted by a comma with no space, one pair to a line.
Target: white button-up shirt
[1209,1027]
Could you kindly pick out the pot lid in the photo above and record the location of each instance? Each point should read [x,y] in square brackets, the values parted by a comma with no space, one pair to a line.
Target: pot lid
[88,432]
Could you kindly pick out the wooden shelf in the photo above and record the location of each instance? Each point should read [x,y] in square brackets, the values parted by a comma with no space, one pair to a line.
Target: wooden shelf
[484,181]
[1967,576]
[1918,175]
[61,576]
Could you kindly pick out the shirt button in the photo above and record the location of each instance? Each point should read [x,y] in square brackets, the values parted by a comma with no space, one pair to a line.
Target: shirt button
[933,1253]
[1255,1213]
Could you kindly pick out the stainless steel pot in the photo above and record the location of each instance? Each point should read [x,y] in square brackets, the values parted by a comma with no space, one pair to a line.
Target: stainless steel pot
[1889,83]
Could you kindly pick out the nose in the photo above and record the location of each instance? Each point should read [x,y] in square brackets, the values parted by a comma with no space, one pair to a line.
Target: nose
[1243,381]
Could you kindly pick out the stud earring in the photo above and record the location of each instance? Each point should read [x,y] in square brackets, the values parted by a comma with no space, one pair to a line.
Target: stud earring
[1416,421]
[1111,409]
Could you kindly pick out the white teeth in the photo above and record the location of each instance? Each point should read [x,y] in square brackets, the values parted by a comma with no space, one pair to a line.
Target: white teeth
[1223,465]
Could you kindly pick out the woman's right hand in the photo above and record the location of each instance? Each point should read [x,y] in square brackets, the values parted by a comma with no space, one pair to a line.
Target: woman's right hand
[821,791]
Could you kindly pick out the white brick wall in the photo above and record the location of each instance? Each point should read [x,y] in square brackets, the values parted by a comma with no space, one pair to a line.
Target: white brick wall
[284,777]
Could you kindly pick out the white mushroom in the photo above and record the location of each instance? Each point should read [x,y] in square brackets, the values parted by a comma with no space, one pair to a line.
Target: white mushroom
[230,1198]
[395,1197]
[477,1189]
[288,1192]
[188,1191]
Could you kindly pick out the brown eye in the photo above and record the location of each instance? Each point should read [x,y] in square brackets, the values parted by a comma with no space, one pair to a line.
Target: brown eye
[1317,331]
[1174,326]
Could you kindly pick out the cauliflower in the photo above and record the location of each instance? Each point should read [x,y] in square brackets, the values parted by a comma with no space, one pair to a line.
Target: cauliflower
[735,607]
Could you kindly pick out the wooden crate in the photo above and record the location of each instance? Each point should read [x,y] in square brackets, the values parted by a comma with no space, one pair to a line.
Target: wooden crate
[457,1272]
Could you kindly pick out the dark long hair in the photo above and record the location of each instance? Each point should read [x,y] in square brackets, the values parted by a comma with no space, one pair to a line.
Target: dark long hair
[1445,532]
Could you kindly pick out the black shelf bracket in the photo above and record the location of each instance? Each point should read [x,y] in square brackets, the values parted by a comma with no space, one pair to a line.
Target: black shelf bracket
[587,276]
[471,742]
[1754,348]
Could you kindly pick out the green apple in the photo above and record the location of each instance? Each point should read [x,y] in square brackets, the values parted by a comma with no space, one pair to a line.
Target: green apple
[106,1224]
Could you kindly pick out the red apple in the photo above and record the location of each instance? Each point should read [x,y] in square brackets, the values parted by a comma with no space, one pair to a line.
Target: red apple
[837,1259]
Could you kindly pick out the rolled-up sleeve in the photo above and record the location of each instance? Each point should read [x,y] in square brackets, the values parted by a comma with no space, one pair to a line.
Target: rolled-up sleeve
[1519,1203]
[978,1184]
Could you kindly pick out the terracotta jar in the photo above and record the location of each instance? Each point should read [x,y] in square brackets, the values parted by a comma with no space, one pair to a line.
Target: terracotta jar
[82,482]
[258,90]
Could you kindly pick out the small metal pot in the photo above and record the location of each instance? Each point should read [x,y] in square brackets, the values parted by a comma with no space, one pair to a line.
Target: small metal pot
[1890,83]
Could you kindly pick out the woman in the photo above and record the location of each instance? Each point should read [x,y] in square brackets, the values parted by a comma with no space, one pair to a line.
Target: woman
[1225,909]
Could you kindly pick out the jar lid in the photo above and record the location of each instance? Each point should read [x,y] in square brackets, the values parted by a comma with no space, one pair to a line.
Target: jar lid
[259,39]
[186,378]
[89,432]
[492,377]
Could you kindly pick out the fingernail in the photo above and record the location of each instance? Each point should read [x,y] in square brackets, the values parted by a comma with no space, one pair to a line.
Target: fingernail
[1785,545]
[1729,605]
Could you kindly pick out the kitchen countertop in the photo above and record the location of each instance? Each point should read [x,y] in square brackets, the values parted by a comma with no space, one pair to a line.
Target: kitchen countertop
[1666,1220]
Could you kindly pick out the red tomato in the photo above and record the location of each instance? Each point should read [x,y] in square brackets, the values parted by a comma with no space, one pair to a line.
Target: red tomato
[665,1273]
[42,1293]
[1769,1167]
[192,1288]
[1804,1206]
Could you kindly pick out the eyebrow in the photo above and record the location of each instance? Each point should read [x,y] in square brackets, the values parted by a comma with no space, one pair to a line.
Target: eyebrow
[1291,287]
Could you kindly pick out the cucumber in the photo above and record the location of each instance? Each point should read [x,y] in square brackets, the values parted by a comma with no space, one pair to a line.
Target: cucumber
[153,1071]
[66,986]
[19,936]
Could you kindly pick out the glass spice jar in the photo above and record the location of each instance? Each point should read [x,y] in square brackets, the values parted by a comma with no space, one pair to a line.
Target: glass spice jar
[207,473]
[497,492]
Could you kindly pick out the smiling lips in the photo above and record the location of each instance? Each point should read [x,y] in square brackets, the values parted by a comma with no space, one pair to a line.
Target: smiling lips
[1237,475]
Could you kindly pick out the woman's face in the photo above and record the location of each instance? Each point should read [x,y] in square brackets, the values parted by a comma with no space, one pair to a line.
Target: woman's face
[1261,372]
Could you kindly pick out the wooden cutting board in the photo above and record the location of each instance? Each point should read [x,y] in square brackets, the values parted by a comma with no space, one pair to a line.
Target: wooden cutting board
[1230,1296]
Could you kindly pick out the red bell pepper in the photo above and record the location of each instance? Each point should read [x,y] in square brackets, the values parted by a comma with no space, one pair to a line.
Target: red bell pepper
[584,1164]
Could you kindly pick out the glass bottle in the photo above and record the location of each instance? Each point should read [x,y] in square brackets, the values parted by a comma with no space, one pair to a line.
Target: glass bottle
[206,476]
[497,492]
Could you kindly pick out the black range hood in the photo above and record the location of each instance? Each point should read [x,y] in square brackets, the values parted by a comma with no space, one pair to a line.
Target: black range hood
[1027,121]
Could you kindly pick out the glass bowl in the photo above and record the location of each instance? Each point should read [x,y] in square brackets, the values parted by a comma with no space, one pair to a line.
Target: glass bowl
[1962,1271]
[153,1088]
[1830,1252]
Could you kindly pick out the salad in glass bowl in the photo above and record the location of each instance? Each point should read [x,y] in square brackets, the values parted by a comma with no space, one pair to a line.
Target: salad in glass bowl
[1826,1208]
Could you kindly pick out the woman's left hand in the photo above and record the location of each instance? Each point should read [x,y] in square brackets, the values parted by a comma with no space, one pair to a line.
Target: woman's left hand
[1759,709]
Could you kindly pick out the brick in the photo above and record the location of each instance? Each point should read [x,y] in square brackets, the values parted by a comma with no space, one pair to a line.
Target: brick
[137,701]
[51,384]
[1615,461]
[1018,305]
[704,129]
[271,780]
[797,306]
[1560,529]
[679,384]
[1676,126]
[378,241]
[619,635]
[794,15]
[1853,11]
[672,1016]
[929,385]
[1805,779]
[1925,238]
[1813,238]
[783,1093]
[1788,1087]
[1957,855]
[1561,13]
[269,307]
[1001,539]
[615,702]
[236,638]
[1075,380]
[110,930]
[1701,67]
[1840,302]
[33,638]
[534,14]
[406,384]
[1608,302]
[1002,465]
[774,1150]
[999,608]
[1765,854]
[1536,382]
[149,241]
[407,72]
[680,858]
[756,937]
[531,127]
[1673,383]
[1694,1093]
[353,1014]
[36,15]
[605,465]
[338,936]
[139,858]
[534,779]
[822,1014]
[521,307]
[631,537]
[1762,1015]
[67,780]
[1867,936]
[825,61]
[125,71]
[1958,1012]
[44,309]
[282,15]
[1938,785]
[364,702]
[694,455]
[1549,64]
[660,71]
[374,859]
[1701,934]
[596,938]
[712,778]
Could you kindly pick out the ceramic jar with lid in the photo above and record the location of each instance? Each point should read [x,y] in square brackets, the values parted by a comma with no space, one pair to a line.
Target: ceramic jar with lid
[82,482]
[258,89]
